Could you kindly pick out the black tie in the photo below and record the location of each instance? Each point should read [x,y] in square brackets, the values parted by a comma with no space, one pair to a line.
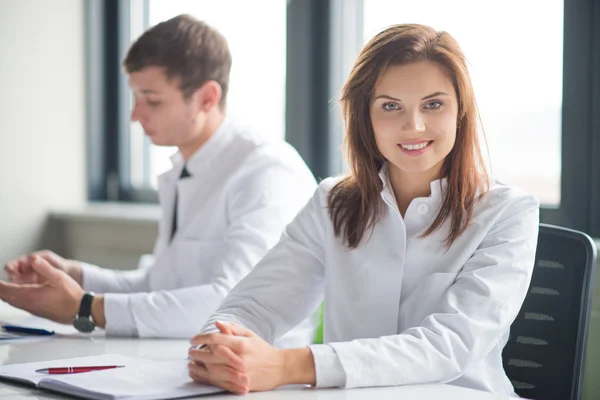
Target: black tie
[184,174]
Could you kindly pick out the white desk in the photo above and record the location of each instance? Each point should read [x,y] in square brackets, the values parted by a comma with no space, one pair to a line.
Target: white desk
[79,345]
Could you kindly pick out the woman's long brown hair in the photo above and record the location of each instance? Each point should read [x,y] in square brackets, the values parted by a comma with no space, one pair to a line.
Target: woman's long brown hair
[355,203]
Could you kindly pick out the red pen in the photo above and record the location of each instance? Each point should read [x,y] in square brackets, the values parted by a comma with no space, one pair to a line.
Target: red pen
[75,370]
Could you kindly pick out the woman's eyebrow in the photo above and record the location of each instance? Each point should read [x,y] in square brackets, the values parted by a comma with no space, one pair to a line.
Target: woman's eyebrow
[385,96]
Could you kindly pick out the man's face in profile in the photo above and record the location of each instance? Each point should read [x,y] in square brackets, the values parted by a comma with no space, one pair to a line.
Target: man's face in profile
[167,118]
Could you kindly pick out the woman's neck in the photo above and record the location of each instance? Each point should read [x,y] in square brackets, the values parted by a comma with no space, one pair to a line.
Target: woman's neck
[408,186]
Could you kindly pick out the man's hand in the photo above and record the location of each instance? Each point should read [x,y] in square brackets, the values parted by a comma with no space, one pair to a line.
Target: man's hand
[56,297]
[21,270]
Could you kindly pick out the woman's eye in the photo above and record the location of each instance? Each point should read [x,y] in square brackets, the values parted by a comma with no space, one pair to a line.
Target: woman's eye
[433,105]
[153,103]
[390,106]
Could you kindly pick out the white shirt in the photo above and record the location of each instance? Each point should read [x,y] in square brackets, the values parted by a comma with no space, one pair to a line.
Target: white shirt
[400,309]
[242,192]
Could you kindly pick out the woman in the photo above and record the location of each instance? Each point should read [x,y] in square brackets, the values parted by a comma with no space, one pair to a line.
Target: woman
[423,263]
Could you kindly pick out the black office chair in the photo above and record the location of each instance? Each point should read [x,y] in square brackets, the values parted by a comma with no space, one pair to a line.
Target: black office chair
[545,354]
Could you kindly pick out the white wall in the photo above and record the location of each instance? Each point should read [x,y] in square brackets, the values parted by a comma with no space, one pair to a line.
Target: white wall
[42,117]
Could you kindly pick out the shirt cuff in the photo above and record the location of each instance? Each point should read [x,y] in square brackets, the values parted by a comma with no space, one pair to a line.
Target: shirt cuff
[92,277]
[328,368]
[118,314]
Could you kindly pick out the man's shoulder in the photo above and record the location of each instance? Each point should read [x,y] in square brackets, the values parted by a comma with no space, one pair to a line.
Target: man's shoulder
[254,150]
[256,142]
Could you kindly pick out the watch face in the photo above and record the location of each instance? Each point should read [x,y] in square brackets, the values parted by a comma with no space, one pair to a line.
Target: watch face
[83,325]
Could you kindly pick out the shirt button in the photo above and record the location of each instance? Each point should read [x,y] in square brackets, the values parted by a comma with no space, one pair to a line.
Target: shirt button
[422,208]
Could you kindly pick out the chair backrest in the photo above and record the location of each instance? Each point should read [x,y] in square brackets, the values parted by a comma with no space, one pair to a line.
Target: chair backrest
[545,354]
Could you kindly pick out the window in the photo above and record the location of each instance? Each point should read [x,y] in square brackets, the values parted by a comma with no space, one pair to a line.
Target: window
[258,76]
[535,67]
[516,65]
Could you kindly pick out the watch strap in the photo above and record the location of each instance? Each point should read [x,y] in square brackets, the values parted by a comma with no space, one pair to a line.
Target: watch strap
[85,308]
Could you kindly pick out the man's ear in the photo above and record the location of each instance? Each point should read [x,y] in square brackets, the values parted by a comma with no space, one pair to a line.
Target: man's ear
[208,96]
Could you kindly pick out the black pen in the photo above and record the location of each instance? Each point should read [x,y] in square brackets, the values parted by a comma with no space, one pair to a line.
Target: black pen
[26,330]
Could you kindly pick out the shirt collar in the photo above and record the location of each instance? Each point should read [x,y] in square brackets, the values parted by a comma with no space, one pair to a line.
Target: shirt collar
[207,153]
[437,186]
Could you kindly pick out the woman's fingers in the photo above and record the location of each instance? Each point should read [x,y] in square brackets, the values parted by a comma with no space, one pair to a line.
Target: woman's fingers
[219,375]
[220,372]
[218,354]
[198,373]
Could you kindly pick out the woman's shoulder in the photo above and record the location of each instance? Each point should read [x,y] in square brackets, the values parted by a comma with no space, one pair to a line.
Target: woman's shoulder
[327,184]
[504,197]
[319,200]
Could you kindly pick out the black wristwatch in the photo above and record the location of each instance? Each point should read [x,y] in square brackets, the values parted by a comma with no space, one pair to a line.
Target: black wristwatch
[83,321]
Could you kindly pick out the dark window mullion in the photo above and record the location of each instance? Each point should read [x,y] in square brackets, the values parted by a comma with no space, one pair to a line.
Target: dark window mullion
[307,87]
[576,146]
[594,183]
[123,99]
[95,64]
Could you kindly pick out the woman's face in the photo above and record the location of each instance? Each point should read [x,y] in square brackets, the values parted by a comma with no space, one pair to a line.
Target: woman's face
[414,114]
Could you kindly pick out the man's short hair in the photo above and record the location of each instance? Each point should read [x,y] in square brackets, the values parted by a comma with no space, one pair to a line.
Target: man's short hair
[188,49]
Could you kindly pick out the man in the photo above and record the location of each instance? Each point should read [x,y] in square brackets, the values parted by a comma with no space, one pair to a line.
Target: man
[224,203]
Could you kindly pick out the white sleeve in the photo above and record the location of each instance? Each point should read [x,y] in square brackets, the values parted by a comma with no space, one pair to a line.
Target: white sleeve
[103,280]
[259,205]
[116,304]
[470,319]
[328,368]
[176,313]
[287,285]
